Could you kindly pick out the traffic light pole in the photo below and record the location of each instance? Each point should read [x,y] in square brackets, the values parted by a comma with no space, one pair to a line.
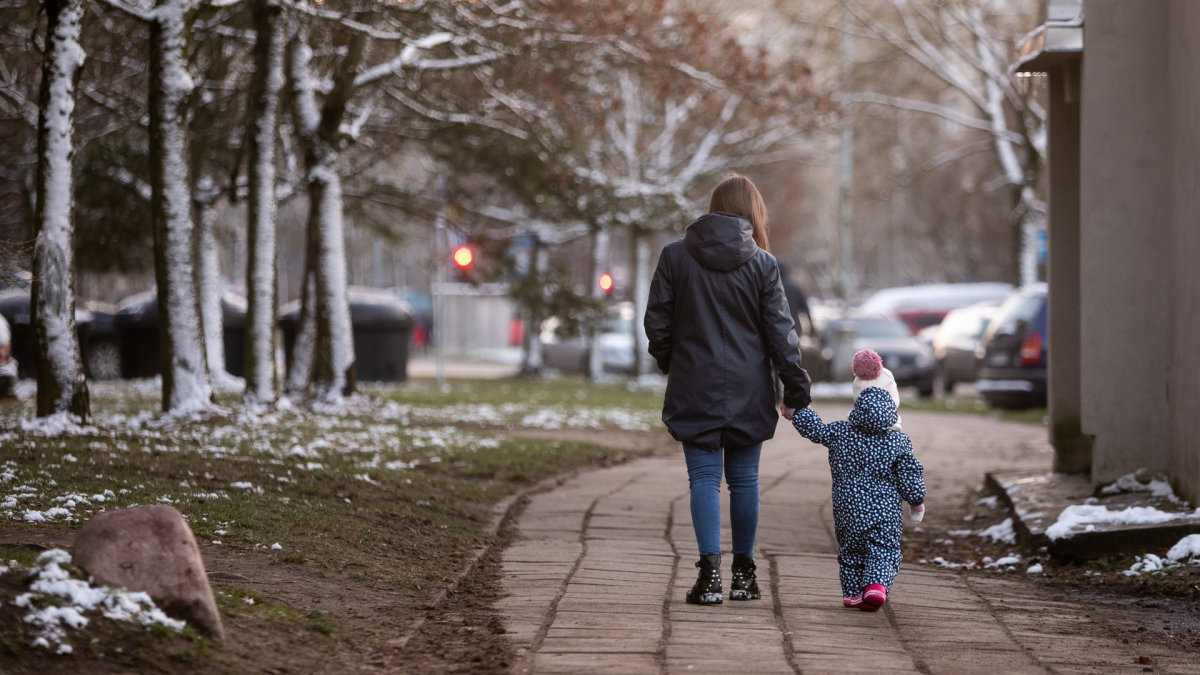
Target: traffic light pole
[439,280]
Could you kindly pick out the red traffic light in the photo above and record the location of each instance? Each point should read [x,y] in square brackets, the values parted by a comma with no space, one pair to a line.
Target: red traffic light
[463,256]
[606,282]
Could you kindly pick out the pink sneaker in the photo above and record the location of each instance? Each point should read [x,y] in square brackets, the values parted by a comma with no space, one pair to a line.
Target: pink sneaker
[873,597]
[851,601]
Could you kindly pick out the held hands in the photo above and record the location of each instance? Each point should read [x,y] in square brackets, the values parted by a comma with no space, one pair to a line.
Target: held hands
[786,411]
[916,513]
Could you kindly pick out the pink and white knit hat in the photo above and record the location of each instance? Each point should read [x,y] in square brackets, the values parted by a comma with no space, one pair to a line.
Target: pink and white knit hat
[866,365]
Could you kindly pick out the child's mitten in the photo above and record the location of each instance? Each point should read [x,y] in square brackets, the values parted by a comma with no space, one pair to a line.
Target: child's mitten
[916,513]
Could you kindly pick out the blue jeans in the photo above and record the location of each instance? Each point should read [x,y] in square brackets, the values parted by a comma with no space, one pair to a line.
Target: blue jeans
[704,477]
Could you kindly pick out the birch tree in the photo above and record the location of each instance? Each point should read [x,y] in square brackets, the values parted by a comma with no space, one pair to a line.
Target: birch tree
[261,269]
[61,385]
[185,379]
[967,47]
[326,120]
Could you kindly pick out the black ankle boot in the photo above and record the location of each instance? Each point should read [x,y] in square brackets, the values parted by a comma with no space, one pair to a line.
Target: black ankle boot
[707,589]
[744,585]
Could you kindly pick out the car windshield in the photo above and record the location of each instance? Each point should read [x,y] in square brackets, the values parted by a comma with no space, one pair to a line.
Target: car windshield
[877,328]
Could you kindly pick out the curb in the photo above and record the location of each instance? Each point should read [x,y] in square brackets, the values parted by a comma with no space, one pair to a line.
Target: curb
[504,512]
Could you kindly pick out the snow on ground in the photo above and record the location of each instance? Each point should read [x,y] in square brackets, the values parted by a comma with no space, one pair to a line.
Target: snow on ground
[1078,518]
[836,390]
[1186,551]
[361,436]
[1188,547]
[1001,532]
[58,601]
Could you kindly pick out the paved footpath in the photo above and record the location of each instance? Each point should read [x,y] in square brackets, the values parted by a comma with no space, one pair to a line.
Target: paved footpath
[596,581]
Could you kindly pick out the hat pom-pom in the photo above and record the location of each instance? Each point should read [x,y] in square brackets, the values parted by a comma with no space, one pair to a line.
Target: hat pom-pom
[867,365]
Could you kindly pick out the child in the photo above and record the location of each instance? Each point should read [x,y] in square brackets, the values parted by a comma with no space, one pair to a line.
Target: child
[873,468]
[869,372]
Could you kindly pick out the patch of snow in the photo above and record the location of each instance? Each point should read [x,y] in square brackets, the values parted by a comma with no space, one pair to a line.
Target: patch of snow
[276,547]
[990,502]
[78,596]
[1144,564]
[1001,532]
[1130,483]
[1188,547]
[1006,561]
[1084,518]
[1035,568]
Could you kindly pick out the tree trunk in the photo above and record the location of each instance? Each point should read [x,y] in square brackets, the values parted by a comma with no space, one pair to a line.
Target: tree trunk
[531,361]
[209,290]
[61,383]
[261,270]
[185,383]
[333,365]
[304,344]
[333,374]
[641,292]
[595,361]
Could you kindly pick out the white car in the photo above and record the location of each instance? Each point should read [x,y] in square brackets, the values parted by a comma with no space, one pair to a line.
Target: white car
[615,341]
[8,365]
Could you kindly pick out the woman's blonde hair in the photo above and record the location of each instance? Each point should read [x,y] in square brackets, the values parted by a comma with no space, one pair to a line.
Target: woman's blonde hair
[737,195]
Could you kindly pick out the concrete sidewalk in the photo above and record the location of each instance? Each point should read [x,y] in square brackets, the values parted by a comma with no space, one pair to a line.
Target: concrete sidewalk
[596,582]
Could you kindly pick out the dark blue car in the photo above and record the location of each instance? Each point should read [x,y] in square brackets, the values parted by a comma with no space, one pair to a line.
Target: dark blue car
[1013,374]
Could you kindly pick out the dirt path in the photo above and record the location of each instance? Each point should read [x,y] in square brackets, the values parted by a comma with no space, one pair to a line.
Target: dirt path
[595,581]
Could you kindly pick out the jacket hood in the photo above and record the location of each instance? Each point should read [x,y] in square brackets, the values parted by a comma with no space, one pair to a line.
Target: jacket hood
[720,241]
[874,412]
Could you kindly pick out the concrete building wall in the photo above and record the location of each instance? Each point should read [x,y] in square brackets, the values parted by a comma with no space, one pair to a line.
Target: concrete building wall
[1184,393]
[1126,254]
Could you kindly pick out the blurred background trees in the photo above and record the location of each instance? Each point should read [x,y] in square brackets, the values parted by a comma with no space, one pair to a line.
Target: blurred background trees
[325,141]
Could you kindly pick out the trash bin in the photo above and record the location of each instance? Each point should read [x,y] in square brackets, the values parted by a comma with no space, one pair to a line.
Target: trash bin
[382,324]
[16,307]
[233,318]
[137,327]
[137,324]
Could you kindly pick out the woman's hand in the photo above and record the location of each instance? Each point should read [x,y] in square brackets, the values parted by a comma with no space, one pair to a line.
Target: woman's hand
[786,411]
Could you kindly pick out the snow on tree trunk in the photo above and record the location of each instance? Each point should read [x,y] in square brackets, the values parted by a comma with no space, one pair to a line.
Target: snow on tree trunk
[641,291]
[208,285]
[600,240]
[61,384]
[261,270]
[185,382]
[333,374]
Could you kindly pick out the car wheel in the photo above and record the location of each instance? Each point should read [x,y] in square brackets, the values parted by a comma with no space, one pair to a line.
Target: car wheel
[104,361]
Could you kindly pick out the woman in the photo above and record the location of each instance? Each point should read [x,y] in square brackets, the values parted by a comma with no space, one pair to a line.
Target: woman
[717,320]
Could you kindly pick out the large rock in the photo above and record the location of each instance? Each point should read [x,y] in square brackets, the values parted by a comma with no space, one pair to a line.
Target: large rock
[151,549]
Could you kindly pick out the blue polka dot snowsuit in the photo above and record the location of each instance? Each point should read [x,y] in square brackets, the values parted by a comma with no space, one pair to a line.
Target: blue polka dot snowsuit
[873,468]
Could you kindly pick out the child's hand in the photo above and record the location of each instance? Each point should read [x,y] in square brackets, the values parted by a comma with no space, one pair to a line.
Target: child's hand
[916,513]
[786,411]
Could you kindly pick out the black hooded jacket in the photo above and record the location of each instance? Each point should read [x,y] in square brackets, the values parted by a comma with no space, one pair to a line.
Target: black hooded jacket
[717,320]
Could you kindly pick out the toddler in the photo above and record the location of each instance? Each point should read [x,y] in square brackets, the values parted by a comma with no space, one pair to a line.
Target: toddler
[873,469]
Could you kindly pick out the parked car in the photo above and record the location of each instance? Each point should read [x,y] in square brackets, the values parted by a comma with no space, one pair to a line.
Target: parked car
[1013,374]
[8,365]
[910,361]
[615,339]
[101,350]
[958,344]
[927,305]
